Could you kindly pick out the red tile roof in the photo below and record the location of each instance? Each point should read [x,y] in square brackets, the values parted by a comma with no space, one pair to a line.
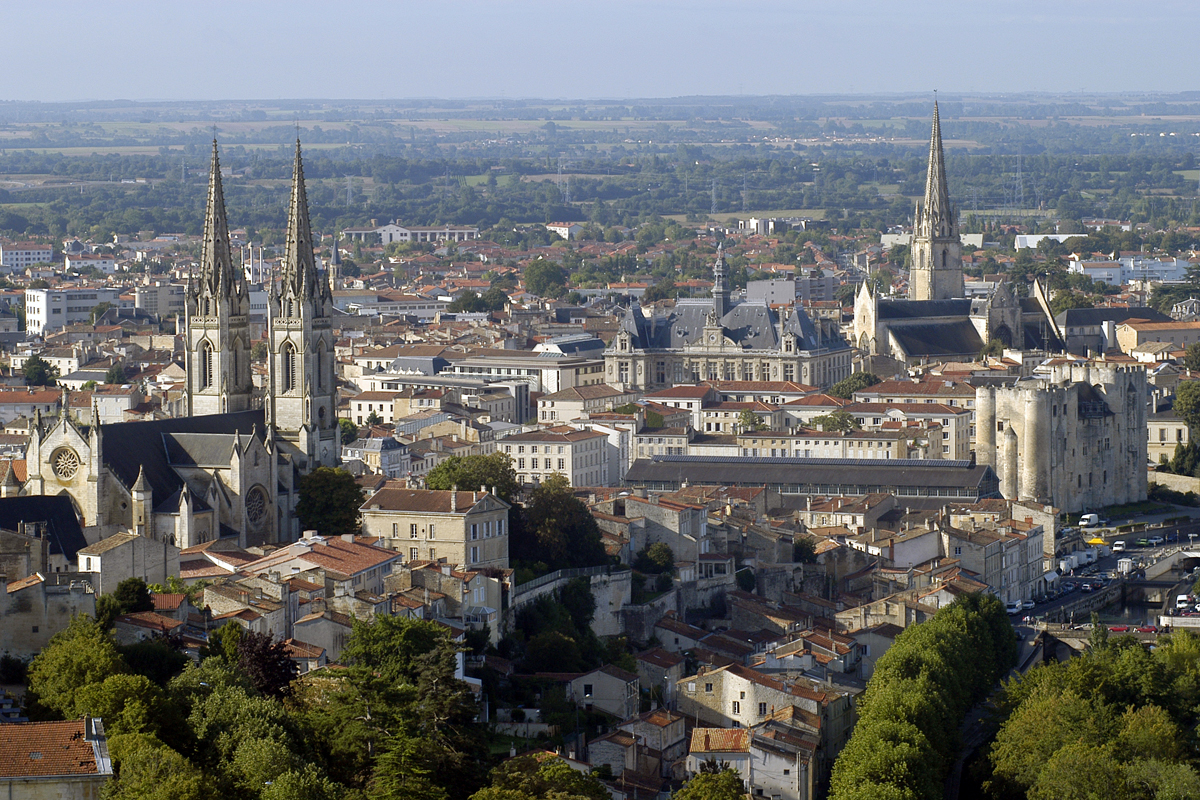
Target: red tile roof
[38,749]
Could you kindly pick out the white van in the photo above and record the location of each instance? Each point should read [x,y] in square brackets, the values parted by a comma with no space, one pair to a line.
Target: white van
[1118,546]
[1089,521]
[1182,601]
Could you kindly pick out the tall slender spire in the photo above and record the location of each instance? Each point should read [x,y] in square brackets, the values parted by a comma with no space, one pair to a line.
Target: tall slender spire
[936,212]
[216,261]
[299,265]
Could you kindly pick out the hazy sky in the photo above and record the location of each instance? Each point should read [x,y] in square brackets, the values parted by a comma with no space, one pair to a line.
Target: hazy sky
[268,49]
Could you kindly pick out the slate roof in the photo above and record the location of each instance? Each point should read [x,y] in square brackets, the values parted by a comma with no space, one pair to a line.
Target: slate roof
[753,324]
[950,338]
[921,309]
[62,525]
[159,445]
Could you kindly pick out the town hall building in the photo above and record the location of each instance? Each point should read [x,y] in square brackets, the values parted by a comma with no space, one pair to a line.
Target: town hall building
[229,468]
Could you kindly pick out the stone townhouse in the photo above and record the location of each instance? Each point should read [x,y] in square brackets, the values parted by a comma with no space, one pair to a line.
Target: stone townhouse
[607,688]
[577,401]
[344,563]
[581,456]
[466,529]
[33,609]
[127,555]
[676,635]
[681,526]
[741,697]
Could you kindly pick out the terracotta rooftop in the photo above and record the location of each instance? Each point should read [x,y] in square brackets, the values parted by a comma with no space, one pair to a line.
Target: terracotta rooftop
[720,740]
[41,749]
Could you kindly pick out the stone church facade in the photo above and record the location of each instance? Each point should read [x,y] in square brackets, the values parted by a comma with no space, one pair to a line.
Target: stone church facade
[703,340]
[226,469]
[936,321]
[1075,440]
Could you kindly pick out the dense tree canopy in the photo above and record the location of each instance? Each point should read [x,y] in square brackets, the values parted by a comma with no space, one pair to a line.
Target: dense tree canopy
[476,473]
[329,502]
[858,380]
[557,529]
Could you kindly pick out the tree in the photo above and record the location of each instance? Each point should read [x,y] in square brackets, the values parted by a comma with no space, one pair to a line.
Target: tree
[1191,356]
[374,419]
[329,501]
[840,420]
[558,529]
[115,375]
[81,654]
[748,421]
[726,784]
[133,595]
[39,372]
[265,661]
[804,551]
[259,351]
[859,380]
[655,558]
[149,770]
[545,278]
[476,473]
[349,430]
[1187,404]
[531,778]
[223,643]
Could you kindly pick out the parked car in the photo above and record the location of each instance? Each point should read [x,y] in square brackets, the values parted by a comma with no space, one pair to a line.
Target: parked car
[1118,629]
[1147,629]
[1027,604]
[1155,541]
[1143,542]
[1014,607]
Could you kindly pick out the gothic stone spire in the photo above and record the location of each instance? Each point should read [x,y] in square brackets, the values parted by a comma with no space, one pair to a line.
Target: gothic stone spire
[299,265]
[936,216]
[217,274]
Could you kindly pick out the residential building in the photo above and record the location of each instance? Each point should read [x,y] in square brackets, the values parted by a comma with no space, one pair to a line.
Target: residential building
[577,401]
[35,608]
[52,309]
[467,529]
[16,257]
[382,454]
[607,688]
[63,760]
[581,456]
[127,555]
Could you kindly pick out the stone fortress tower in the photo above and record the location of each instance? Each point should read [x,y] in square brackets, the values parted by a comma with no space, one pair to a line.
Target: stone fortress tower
[936,272]
[1075,439]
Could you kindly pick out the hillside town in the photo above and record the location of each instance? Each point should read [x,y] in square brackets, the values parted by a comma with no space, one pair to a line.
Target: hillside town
[756,480]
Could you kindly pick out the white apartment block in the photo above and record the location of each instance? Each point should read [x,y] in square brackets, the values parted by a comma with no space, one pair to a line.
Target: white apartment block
[52,309]
[19,255]
[161,299]
[83,261]
[581,456]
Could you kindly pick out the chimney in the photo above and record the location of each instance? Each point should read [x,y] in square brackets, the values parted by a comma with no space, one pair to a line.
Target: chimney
[348,537]
[454,498]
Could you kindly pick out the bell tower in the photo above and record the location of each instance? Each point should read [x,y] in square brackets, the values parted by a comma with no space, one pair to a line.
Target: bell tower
[301,402]
[936,272]
[217,313]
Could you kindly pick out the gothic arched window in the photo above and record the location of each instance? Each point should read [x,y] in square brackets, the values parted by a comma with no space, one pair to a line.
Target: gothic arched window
[321,365]
[206,364]
[288,362]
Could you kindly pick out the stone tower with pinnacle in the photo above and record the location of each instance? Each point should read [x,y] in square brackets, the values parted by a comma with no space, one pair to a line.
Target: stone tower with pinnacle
[217,312]
[936,272]
[301,399]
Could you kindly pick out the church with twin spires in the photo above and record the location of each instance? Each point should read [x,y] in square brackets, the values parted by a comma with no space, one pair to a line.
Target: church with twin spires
[227,469]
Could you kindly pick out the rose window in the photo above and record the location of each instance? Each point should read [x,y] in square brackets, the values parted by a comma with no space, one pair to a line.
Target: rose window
[65,463]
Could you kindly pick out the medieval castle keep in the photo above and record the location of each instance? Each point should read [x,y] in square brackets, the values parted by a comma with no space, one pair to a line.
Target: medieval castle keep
[1075,440]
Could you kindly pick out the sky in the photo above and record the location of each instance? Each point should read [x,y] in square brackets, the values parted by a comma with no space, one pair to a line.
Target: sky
[70,50]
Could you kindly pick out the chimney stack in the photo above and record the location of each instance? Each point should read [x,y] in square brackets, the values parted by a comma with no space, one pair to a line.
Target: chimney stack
[454,498]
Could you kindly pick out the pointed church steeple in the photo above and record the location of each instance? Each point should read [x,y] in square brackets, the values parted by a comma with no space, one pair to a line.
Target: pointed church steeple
[936,212]
[936,272]
[216,316]
[299,264]
[216,260]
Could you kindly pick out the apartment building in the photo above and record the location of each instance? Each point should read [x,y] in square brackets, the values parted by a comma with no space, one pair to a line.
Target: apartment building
[579,455]
[52,309]
[18,256]
[463,528]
